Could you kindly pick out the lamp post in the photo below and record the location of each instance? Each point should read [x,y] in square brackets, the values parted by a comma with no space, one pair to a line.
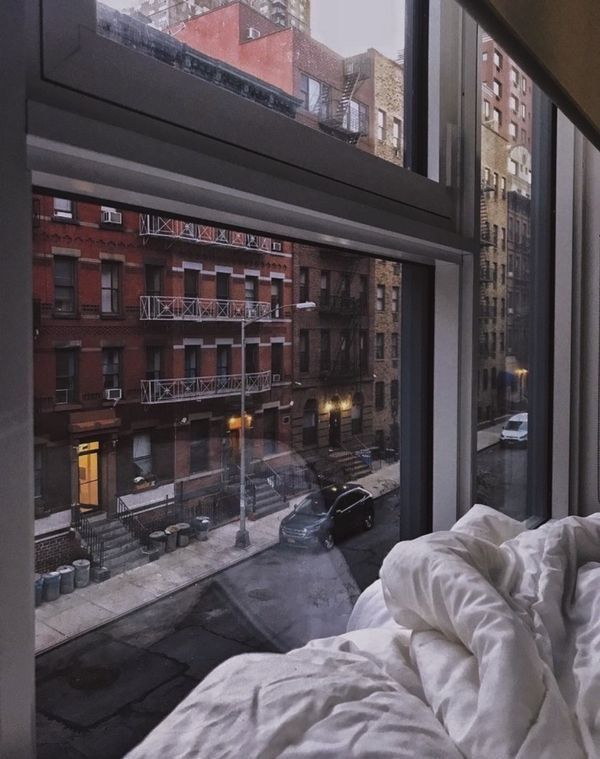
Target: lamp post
[242,538]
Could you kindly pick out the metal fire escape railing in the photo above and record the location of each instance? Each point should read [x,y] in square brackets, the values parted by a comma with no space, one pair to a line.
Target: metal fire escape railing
[336,117]
[174,308]
[188,231]
[196,388]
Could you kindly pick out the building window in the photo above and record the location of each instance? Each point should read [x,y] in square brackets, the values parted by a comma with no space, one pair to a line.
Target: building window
[495,235]
[303,294]
[381,125]
[523,111]
[303,351]
[486,176]
[357,414]
[357,118]
[363,349]
[191,361]
[325,350]
[513,167]
[315,95]
[497,59]
[63,209]
[503,238]
[199,445]
[379,395]
[394,395]
[153,363]
[345,285]
[276,362]
[380,298]
[523,85]
[325,286]
[111,283]
[251,289]
[503,307]
[380,346]
[111,368]
[142,454]
[514,103]
[484,56]
[395,344]
[277,298]
[190,283]
[495,185]
[512,130]
[503,187]
[154,276]
[252,358]
[66,376]
[224,360]
[486,110]
[497,117]
[396,134]
[497,88]
[64,285]
[514,75]
[310,430]
[223,281]
[364,291]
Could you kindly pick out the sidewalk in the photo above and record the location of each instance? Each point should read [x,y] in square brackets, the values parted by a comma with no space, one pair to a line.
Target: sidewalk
[490,435]
[99,603]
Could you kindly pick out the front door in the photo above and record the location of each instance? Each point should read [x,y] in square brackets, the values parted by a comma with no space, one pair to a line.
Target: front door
[88,461]
[335,428]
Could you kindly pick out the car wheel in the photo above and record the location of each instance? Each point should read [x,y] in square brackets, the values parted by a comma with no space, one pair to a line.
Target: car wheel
[369,521]
[328,541]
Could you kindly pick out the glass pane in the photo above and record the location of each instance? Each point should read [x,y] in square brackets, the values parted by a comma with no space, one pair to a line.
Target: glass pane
[503,371]
[333,65]
[139,427]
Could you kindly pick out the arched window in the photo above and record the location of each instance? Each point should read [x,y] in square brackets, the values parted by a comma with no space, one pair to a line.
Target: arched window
[357,414]
[310,423]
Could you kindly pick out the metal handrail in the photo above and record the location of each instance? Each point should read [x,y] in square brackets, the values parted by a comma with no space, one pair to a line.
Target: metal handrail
[194,388]
[187,231]
[356,456]
[92,541]
[132,523]
[174,308]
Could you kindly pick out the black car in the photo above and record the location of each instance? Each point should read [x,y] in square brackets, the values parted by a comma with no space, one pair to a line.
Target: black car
[322,518]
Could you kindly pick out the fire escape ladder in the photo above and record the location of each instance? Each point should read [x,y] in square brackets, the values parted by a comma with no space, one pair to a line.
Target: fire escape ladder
[339,123]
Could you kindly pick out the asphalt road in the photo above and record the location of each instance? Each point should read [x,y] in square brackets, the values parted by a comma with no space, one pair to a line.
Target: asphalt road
[99,695]
[502,480]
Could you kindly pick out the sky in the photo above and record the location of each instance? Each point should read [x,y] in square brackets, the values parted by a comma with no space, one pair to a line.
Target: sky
[348,26]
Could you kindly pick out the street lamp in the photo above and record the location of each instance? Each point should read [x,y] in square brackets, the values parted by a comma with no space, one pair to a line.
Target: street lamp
[242,538]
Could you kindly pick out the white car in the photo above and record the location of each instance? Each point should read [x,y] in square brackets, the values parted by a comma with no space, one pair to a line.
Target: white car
[514,432]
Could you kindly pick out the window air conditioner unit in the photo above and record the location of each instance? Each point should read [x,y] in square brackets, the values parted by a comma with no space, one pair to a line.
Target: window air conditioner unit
[277,246]
[276,378]
[252,33]
[110,216]
[113,394]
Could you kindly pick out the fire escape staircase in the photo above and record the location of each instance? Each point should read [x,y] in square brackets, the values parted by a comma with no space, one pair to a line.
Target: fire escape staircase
[339,122]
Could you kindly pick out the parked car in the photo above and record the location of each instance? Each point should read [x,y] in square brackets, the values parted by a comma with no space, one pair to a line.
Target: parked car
[514,432]
[324,517]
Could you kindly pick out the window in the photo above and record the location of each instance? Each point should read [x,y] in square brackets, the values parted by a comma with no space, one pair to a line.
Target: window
[315,95]
[514,76]
[325,350]
[495,184]
[63,209]
[379,395]
[380,346]
[222,285]
[111,287]
[64,285]
[523,85]
[380,125]
[154,276]
[142,454]
[224,360]
[497,59]
[66,376]
[345,350]
[325,286]
[486,110]
[111,368]
[364,349]
[495,235]
[276,362]
[303,295]
[503,240]
[252,358]
[486,176]
[396,134]
[310,432]
[395,299]
[191,360]
[497,88]
[199,445]
[153,362]
[394,396]
[303,350]
[190,283]
[357,118]
[514,103]
[523,111]
[513,166]
[512,130]
[503,187]
[345,282]
[380,298]
[277,298]
[484,56]
[251,289]
[497,117]
[395,345]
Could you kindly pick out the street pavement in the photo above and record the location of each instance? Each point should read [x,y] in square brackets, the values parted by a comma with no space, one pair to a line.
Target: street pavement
[100,693]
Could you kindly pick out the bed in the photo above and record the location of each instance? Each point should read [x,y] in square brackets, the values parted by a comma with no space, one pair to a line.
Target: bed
[482,642]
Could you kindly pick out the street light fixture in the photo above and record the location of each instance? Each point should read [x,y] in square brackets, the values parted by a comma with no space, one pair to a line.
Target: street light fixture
[242,538]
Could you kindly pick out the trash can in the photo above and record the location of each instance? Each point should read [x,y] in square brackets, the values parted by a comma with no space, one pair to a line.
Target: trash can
[82,573]
[38,585]
[183,534]
[67,578]
[171,533]
[201,527]
[158,540]
[51,590]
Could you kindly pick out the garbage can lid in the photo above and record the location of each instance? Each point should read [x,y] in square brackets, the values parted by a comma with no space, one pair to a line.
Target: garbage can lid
[81,563]
[157,535]
[171,528]
[65,569]
[182,525]
[50,575]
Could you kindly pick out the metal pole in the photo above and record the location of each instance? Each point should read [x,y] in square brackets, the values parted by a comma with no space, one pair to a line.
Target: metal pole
[242,539]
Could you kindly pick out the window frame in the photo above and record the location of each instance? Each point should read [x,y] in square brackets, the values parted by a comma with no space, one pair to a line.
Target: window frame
[116,300]
[58,312]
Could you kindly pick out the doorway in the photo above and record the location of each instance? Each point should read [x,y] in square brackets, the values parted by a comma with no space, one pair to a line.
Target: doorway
[335,424]
[88,467]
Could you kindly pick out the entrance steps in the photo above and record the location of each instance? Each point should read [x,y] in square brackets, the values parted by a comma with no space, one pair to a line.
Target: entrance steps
[122,551]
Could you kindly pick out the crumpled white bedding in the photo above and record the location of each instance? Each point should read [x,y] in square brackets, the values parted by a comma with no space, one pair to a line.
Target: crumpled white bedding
[480,642]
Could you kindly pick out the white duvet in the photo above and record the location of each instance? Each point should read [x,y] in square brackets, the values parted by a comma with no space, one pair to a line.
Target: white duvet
[480,642]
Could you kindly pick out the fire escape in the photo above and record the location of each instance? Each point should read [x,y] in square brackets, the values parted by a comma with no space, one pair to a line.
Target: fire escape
[342,118]
[485,273]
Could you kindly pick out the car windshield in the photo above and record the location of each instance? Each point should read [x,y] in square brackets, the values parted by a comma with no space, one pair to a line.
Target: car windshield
[514,426]
[317,503]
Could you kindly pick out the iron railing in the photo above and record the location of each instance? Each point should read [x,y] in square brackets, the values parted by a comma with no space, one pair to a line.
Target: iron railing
[195,388]
[189,231]
[90,540]
[132,523]
[171,308]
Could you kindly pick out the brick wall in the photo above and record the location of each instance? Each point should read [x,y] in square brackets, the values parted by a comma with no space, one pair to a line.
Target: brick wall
[54,551]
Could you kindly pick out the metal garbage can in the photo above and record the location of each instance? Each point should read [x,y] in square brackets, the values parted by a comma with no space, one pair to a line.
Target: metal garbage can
[67,578]
[171,533]
[201,526]
[82,573]
[158,540]
[38,585]
[183,534]
[51,590]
